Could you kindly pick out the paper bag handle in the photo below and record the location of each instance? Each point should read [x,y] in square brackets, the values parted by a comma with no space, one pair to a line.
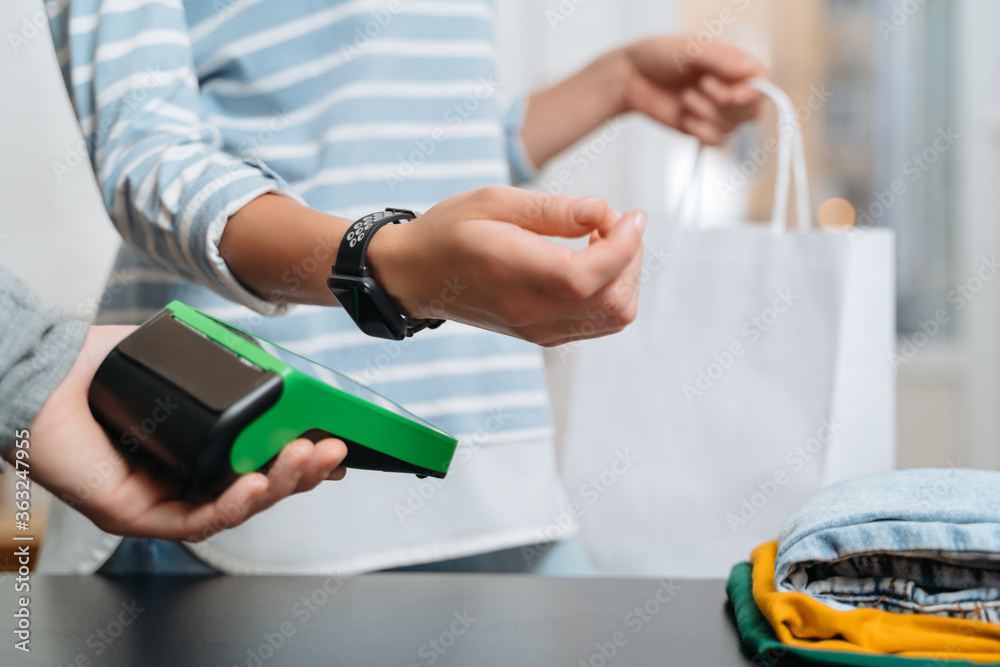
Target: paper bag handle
[791,163]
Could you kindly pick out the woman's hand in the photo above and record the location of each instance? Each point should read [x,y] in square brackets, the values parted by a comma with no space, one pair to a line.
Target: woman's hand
[479,257]
[73,457]
[704,95]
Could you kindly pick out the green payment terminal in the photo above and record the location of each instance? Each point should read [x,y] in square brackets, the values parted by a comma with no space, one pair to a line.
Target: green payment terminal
[214,402]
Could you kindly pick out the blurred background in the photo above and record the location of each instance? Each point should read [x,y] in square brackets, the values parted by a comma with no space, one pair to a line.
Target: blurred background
[894,96]
[876,82]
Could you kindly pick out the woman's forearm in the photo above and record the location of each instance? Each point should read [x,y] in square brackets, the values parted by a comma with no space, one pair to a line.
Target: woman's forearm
[283,251]
[561,115]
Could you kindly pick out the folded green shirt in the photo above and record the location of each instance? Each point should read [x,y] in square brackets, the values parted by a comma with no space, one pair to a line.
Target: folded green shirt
[759,639]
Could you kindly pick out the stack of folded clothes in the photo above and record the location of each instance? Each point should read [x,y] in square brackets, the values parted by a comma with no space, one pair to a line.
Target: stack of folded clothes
[878,571]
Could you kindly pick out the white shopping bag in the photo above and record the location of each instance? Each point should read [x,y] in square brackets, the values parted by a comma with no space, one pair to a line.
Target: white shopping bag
[756,372]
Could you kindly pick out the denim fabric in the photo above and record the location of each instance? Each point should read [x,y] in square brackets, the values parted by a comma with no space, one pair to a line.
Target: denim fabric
[141,556]
[921,541]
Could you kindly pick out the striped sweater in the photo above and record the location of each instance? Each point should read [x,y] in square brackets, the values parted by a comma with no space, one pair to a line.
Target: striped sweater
[192,109]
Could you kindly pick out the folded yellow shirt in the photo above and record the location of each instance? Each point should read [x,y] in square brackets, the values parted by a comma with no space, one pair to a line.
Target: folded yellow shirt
[799,620]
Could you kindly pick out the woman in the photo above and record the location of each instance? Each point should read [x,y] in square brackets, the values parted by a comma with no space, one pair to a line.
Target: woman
[234,146]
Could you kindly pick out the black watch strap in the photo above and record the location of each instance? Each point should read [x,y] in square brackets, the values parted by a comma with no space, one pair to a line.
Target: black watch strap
[354,245]
[353,251]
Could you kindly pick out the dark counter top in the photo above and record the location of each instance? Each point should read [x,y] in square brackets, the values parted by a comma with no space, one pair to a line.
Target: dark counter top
[380,619]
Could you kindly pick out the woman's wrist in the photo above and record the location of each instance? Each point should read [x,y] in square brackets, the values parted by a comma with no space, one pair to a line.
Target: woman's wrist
[560,116]
[614,73]
[391,266]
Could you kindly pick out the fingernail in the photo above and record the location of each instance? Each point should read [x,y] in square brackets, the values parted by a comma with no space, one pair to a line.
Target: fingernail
[590,208]
[640,221]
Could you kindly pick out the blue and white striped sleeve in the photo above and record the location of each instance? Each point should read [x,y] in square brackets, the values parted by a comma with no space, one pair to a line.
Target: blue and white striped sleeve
[522,170]
[164,178]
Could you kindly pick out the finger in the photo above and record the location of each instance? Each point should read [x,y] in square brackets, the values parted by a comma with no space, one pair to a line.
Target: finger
[728,62]
[735,103]
[611,219]
[619,298]
[550,215]
[337,474]
[286,473]
[326,457]
[720,93]
[698,104]
[579,274]
[706,132]
[236,504]
[661,106]
[195,517]
[613,308]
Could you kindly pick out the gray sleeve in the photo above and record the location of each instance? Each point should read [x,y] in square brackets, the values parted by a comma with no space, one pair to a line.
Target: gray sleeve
[37,348]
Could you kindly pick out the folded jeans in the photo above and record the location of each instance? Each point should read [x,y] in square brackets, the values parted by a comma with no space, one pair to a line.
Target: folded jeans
[921,541]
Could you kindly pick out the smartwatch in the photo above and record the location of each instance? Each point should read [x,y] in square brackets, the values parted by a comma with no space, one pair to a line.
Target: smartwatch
[363,298]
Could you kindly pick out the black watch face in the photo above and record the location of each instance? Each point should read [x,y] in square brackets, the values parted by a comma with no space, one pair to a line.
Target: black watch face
[368,306]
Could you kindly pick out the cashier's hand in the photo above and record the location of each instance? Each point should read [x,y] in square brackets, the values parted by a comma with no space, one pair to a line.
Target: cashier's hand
[480,257]
[73,457]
